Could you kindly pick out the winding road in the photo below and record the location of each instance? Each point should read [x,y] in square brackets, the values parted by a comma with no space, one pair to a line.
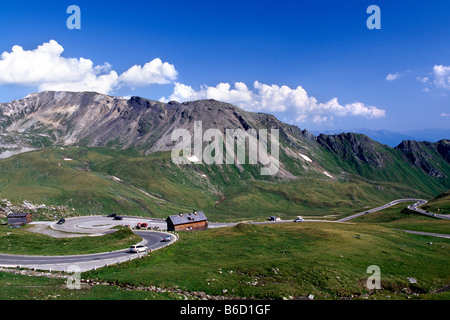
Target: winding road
[419,202]
[414,207]
[88,226]
[101,225]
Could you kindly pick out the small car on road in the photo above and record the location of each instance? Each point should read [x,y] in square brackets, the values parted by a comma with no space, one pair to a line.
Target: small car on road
[167,239]
[299,219]
[138,248]
[118,218]
[61,221]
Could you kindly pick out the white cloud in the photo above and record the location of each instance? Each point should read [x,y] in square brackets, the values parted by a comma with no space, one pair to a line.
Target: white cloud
[295,103]
[393,76]
[445,114]
[47,69]
[152,72]
[423,79]
[442,76]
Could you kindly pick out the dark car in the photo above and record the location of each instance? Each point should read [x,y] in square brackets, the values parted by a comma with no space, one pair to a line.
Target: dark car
[61,221]
[118,218]
[112,215]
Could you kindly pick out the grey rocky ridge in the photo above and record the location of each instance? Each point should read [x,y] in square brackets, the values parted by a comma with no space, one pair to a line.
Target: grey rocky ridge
[89,119]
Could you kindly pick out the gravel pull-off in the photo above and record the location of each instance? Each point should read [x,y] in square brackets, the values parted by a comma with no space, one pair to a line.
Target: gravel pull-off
[44,228]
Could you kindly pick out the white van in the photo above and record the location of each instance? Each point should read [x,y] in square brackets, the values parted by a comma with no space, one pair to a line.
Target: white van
[138,248]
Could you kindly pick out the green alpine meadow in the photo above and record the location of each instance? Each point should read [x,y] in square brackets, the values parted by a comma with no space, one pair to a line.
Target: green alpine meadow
[79,164]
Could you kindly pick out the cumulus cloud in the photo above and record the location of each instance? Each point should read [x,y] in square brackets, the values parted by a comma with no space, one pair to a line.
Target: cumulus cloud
[445,114]
[393,76]
[152,72]
[47,69]
[276,99]
[442,76]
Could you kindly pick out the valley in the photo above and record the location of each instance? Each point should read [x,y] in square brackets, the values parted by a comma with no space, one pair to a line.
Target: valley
[131,184]
[69,154]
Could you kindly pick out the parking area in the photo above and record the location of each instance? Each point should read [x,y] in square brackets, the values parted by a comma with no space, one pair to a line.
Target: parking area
[103,224]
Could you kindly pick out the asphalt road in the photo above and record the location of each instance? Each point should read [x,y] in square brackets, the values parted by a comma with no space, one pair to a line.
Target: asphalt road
[415,206]
[99,225]
[439,235]
[232,224]
[419,202]
[151,239]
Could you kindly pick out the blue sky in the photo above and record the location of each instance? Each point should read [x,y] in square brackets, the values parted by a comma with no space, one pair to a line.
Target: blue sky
[396,78]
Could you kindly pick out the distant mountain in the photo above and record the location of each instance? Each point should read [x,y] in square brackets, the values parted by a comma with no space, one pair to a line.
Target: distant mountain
[91,119]
[96,120]
[340,168]
[430,135]
[393,139]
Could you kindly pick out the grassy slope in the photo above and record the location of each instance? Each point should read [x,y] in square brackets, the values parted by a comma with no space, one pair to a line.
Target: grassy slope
[224,192]
[21,287]
[44,177]
[401,218]
[395,169]
[19,241]
[440,204]
[328,260]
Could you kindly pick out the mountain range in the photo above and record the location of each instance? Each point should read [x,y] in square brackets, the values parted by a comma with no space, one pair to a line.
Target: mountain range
[393,138]
[118,137]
